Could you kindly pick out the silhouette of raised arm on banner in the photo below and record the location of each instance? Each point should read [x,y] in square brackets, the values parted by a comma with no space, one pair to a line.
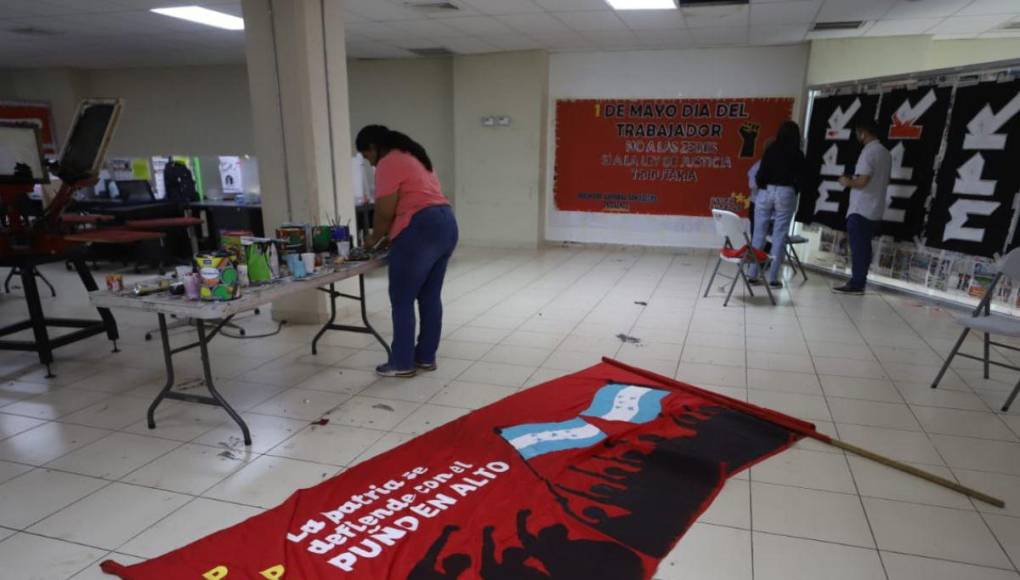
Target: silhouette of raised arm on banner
[453,565]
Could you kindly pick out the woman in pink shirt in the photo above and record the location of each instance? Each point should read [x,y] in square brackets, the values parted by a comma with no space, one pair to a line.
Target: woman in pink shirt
[410,210]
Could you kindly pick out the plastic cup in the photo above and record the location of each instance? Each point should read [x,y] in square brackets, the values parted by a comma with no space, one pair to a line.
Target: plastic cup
[309,261]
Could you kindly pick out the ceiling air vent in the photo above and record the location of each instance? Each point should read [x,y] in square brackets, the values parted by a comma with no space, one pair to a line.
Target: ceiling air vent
[432,6]
[695,3]
[839,25]
[33,31]
[431,51]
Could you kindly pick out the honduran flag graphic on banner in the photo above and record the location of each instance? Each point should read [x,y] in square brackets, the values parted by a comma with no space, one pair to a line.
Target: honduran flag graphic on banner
[595,475]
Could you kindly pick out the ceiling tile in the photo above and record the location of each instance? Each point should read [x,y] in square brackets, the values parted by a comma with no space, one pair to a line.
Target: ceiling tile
[781,34]
[718,36]
[376,50]
[81,6]
[424,28]
[822,34]
[678,43]
[980,7]
[970,24]
[903,27]
[716,16]
[558,5]
[467,45]
[235,10]
[664,35]
[613,39]
[479,25]
[585,20]
[906,9]
[568,40]
[381,10]
[837,10]
[653,19]
[514,41]
[26,8]
[664,39]
[502,6]
[784,13]
[532,23]
[373,29]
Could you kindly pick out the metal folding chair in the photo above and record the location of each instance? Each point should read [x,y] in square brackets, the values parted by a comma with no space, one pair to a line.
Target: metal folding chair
[793,257]
[982,320]
[731,228]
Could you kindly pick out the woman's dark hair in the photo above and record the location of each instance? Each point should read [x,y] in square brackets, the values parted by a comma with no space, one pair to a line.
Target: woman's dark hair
[788,136]
[386,140]
[868,126]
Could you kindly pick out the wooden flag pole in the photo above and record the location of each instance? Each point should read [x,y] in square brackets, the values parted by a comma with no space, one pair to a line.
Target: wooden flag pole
[808,430]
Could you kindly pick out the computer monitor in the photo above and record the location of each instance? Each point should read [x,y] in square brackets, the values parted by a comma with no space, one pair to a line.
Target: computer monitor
[86,144]
[21,157]
[135,191]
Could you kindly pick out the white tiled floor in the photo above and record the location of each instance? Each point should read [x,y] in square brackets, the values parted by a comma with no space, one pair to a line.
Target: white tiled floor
[83,479]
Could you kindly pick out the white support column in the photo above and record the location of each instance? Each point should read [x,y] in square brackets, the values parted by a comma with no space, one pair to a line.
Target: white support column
[297,75]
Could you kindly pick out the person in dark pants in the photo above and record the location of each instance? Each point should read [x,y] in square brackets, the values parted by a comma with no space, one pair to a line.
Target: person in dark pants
[412,212]
[867,204]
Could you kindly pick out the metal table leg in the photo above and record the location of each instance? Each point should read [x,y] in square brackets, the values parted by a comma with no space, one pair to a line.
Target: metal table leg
[169,361]
[167,392]
[331,324]
[90,285]
[203,345]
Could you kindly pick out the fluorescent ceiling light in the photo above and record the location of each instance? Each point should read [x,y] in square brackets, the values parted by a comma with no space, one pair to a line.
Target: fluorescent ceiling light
[203,16]
[642,4]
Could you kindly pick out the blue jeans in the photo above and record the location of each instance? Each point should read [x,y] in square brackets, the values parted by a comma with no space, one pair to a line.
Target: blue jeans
[418,259]
[860,230]
[773,210]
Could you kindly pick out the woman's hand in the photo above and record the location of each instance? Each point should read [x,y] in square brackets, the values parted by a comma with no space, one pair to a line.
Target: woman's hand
[372,239]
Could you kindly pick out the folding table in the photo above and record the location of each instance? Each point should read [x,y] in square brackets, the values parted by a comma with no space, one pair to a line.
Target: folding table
[210,317]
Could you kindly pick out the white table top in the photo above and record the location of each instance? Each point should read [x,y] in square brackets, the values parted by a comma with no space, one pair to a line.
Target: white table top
[251,296]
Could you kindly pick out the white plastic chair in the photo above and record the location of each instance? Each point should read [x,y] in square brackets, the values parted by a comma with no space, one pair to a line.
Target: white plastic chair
[732,229]
[982,320]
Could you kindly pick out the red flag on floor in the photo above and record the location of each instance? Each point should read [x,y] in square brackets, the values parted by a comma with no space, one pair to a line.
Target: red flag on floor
[594,475]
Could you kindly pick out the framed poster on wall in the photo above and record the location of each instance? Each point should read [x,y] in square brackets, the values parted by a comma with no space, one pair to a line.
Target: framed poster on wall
[36,113]
[660,156]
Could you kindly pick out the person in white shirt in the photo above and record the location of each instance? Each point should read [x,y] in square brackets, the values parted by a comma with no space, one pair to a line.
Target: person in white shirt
[867,204]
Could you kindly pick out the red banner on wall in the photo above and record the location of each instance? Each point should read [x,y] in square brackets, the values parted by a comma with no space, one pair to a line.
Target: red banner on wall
[660,156]
[38,114]
[592,476]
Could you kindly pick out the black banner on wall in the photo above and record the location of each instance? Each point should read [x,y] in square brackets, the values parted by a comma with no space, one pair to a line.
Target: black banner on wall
[832,151]
[912,122]
[978,181]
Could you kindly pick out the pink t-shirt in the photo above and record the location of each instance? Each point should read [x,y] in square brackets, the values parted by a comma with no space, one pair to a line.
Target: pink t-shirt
[400,173]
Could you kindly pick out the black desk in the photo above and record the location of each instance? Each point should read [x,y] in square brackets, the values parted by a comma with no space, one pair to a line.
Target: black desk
[43,344]
[228,215]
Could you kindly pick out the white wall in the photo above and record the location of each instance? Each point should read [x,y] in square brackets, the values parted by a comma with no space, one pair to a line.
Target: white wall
[410,96]
[848,59]
[189,110]
[724,72]
[200,110]
[499,170]
[60,87]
